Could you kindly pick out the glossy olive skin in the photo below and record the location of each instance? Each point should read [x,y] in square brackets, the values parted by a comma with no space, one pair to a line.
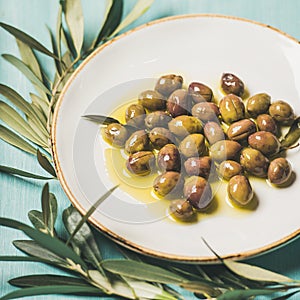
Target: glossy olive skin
[229,168]
[138,141]
[199,166]
[182,126]
[232,108]
[178,103]
[213,132]
[141,163]
[160,136]
[258,104]
[152,100]
[198,192]
[206,111]
[231,84]
[168,158]
[157,119]
[167,84]
[200,92]
[239,190]
[240,130]
[280,171]
[182,210]
[281,112]
[116,134]
[265,122]
[223,150]
[168,184]
[264,141]
[192,145]
[135,115]
[254,162]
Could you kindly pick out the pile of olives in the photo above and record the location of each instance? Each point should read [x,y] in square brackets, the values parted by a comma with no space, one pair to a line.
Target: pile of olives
[187,137]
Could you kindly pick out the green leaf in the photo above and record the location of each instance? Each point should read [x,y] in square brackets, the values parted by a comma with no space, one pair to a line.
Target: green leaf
[53,289]
[293,135]
[287,296]
[27,72]
[36,219]
[112,21]
[55,51]
[58,31]
[21,258]
[255,273]
[202,288]
[45,203]
[41,103]
[141,271]
[13,171]
[89,213]
[244,294]
[25,38]
[15,140]
[38,111]
[53,212]
[74,19]
[45,164]
[100,119]
[139,9]
[51,243]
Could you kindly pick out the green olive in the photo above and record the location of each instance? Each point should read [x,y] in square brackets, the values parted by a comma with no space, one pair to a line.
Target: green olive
[266,123]
[232,108]
[116,134]
[167,84]
[152,100]
[138,141]
[254,162]
[264,141]
[141,163]
[168,158]
[229,168]
[223,150]
[282,112]
[200,92]
[135,115]
[240,130]
[206,111]
[239,190]
[199,166]
[258,104]
[280,170]
[160,137]
[182,210]
[178,103]
[182,126]
[231,84]
[169,183]
[192,145]
[157,119]
[213,132]
[198,192]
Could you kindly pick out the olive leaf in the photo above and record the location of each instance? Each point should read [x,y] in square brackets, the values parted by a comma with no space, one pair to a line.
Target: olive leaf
[45,164]
[201,288]
[58,31]
[36,219]
[40,103]
[293,135]
[22,258]
[244,294]
[14,171]
[105,120]
[56,52]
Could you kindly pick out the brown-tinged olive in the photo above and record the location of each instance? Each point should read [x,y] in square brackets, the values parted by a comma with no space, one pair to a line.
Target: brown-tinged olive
[254,162]
[200,92]
[264,141]
[152,100]
[168,158]
[182,210]
[282,112]
[178,103]
[199,166]
[192,145]
[266,123]
[135,115]
[239,190]
[229,168]
[138,141]
[141,163]
[116,134]
[160,136]
[258,104]
[232,108]
[213,132]
[206,111]
[198,192]
[224,150]
[168,184]
[157,119]
[231,84]
[182,126]
[167,84]
[240,130]
[279,171]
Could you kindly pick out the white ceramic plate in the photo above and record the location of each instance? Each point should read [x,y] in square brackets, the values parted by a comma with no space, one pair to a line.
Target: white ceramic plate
[200,48]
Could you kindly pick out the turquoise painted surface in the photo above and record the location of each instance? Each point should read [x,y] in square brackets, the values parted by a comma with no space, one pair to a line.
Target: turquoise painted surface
[18,196]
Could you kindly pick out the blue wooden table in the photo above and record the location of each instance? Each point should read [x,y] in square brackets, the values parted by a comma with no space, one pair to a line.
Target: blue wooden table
[18,196]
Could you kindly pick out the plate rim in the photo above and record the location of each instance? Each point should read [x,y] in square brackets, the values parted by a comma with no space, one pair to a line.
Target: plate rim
[97,224]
